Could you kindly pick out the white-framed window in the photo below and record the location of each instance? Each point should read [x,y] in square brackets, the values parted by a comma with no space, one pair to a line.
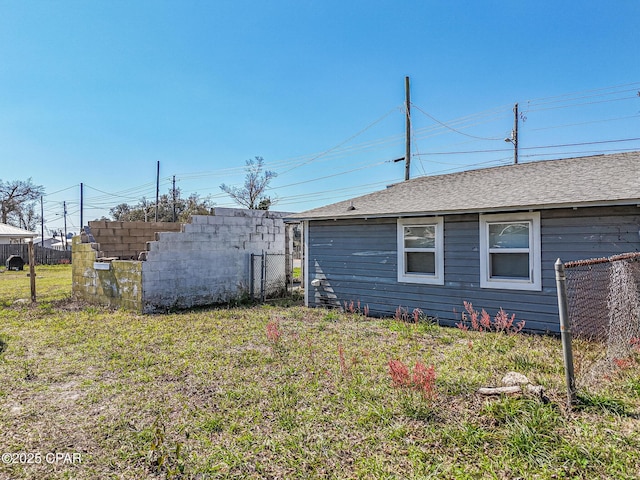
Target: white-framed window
[510,251]
[421,250]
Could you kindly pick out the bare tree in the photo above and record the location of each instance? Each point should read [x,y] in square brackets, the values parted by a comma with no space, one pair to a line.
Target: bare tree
[29,218]
[256,181]
[16,201]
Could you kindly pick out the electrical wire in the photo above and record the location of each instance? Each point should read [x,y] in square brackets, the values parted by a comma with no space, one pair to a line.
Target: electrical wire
[337,152]
[342,150]
[345,141]
[495,162]
[580,104]
[582,123]
[451,128]
[580,152]
[59,191]
[562,97]
[534,148]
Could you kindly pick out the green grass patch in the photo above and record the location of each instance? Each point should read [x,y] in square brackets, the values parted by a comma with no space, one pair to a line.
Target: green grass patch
[297,273]
[207,394]
[53,283]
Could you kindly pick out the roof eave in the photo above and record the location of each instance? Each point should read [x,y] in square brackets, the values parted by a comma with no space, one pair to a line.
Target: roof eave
[513,208]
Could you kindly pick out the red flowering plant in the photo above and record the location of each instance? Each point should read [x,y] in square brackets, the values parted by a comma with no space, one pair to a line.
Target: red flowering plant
[482,321]
[422,379]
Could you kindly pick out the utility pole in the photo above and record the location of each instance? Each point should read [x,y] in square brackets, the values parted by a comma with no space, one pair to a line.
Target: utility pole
[515,133]
[173,191]
[64,205]
[157,189]
[81,206]
[407,155]
[41,221]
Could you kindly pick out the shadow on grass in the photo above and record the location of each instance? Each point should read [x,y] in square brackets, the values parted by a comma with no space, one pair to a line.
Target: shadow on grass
[603,403]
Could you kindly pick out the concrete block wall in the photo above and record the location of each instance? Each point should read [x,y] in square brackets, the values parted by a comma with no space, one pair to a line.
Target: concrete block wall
[83,279]
[119,286]
[125,240]
[208,261]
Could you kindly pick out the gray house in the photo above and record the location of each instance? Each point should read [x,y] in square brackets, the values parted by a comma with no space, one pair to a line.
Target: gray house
[488,236]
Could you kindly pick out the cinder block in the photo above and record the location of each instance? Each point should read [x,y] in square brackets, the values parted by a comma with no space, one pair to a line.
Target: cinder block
[237,221]
[97,231]
[150,275]
[197,219]
[257,213]
[106,232]
[138,232]
[278,247]
[165,236]
[239,230]
[162,254]
[167,275]
[191,228]
[224,212]
[208,237]
[97,224]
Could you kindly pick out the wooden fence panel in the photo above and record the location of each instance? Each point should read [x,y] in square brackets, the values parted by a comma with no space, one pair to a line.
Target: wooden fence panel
[43,255]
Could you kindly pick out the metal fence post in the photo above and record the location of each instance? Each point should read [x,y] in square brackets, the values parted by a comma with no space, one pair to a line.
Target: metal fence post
[252,274]
[565,332]
[263,274]
[290,275]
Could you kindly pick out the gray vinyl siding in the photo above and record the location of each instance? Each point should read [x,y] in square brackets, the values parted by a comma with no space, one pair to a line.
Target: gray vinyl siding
[357,260]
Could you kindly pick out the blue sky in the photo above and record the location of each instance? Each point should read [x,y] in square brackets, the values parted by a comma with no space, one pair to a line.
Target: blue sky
[98,91]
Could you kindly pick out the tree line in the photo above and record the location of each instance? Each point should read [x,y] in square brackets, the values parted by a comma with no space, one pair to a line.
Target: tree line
[18,200]
[172,207]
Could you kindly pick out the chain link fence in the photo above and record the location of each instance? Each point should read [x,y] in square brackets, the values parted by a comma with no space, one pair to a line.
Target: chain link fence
[604,313]
[271,276]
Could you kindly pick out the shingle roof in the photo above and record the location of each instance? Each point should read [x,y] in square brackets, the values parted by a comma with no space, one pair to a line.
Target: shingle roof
[596,180]
[15,232]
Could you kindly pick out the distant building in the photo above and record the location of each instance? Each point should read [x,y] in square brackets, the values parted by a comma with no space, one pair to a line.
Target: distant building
[55,243]
[12,235]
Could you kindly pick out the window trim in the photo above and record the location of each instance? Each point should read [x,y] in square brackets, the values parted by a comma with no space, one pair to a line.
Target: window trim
[438,277]
[534,282]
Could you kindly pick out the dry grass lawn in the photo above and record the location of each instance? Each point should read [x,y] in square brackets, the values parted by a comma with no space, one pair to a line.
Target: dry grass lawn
[208,394]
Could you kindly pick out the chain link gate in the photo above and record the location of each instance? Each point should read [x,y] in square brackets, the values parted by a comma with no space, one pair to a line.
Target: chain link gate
[271,276]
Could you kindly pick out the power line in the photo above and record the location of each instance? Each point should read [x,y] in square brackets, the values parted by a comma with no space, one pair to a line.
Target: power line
[544,100]
[63,190]
[499,161]
[345,141]
[453,129]
[582,123]
[581,152]
[336,152]
[533,148]
[342,150]
[580,104]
